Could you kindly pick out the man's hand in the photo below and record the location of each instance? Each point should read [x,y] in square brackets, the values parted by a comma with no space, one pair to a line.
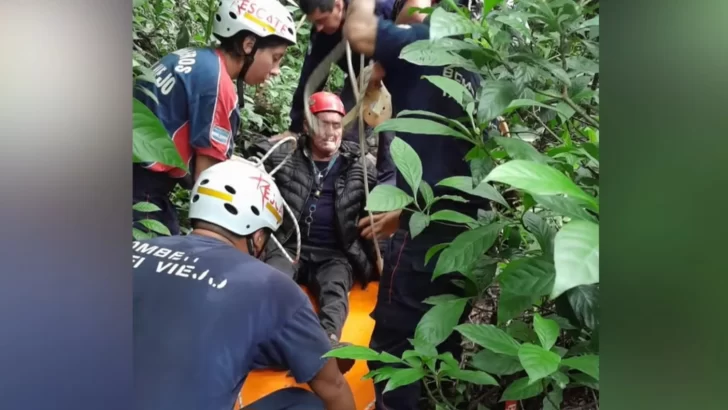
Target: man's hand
[385,225]
[282,135]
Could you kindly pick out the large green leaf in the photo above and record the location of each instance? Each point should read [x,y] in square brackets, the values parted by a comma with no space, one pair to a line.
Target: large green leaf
[584,300]
[588,364]
[520,103]
[519,149]
[446,24]
[451,88]
[576,256]
[483,190]
[537,361]
[155,226]
[419,126]
[495,363]
[361,353]
[434,250]
[564,206]
[538,179]
[440,321]
[521,389]
[403,377]
[151,142]
[511,305]
[547,331]
[494,98]
[451,216]
[470,376]
[541,230]
[528,277]
[407,161]
[145,207]
[490,337]
[385,198]
[435,54]
[466,248]
[417,223]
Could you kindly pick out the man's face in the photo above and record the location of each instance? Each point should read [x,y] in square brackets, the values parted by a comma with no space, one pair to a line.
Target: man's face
[328,136]
[328,22]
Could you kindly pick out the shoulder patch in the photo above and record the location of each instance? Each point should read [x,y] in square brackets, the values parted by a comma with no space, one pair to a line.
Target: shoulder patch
[220,135]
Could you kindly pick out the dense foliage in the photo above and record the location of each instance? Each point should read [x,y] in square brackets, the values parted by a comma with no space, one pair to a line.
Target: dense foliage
[531,263]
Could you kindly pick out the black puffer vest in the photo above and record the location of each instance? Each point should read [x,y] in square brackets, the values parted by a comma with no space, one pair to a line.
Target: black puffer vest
[295,181]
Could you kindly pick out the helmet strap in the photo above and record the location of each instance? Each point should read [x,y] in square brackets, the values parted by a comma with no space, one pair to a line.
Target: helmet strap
[247,62]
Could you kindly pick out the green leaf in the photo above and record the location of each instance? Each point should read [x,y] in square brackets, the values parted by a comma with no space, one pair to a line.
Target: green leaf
[519,149]
[547,331]
[483,190]
[439,322]
[403,377]
[426,192]
[490,337]
[446,24]
[538,179]
[436,54]
[385,198]
[155,226]
[361,353]
[466,248]
[453,124]
[495,363]
[148,93]
[433,251]
[592,150]
[454,198]
[576,256]
[451,88]
[145,207]
[451,216]
[495,96]
[527,277]
[521,331]
[524,102]
[137,3]
[541,230]
[425,349]
[553,399]
[585,380]
[419,126]
[517,21]
[511,305]
[564,206]
[584,300]
[407,162]
[471,376]
[417,223]
[151,142]
[588,364]
[140,235]
[481,273]
[438,299]
[537,361]
[489,5]
[521,390]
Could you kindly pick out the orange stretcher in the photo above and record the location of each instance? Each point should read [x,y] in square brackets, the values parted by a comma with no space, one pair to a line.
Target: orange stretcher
[357,330]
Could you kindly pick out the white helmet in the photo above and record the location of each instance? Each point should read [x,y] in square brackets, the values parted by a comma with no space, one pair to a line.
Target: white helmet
[238,196]
[261,17]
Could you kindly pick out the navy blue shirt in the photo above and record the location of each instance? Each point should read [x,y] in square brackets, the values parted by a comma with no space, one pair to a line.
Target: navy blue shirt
[204,312]
[319,47]
[442,156]
[322,232]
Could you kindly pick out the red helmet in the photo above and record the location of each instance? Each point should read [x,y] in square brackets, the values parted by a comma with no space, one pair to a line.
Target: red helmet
[323,101]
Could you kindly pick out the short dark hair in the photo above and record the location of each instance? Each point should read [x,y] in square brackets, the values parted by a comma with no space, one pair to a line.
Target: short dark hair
[233,45]
[309,6]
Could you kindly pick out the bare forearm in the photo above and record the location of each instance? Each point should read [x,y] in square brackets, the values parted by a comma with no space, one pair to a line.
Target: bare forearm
[360,27]
[332,388]
[405,18]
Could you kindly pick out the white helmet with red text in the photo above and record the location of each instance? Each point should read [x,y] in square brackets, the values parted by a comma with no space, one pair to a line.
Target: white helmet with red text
[237,195]
[261,17]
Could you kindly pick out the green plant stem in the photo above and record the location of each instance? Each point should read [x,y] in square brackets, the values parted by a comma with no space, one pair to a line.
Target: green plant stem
[429,392]
[565,98]
[444,399]
[546,127]
[210,17]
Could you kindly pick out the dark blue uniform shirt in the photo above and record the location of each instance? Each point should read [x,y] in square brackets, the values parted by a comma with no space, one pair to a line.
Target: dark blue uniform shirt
[204,313]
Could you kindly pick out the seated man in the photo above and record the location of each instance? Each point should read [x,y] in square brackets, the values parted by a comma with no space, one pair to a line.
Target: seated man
[206,309]
[323,183]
